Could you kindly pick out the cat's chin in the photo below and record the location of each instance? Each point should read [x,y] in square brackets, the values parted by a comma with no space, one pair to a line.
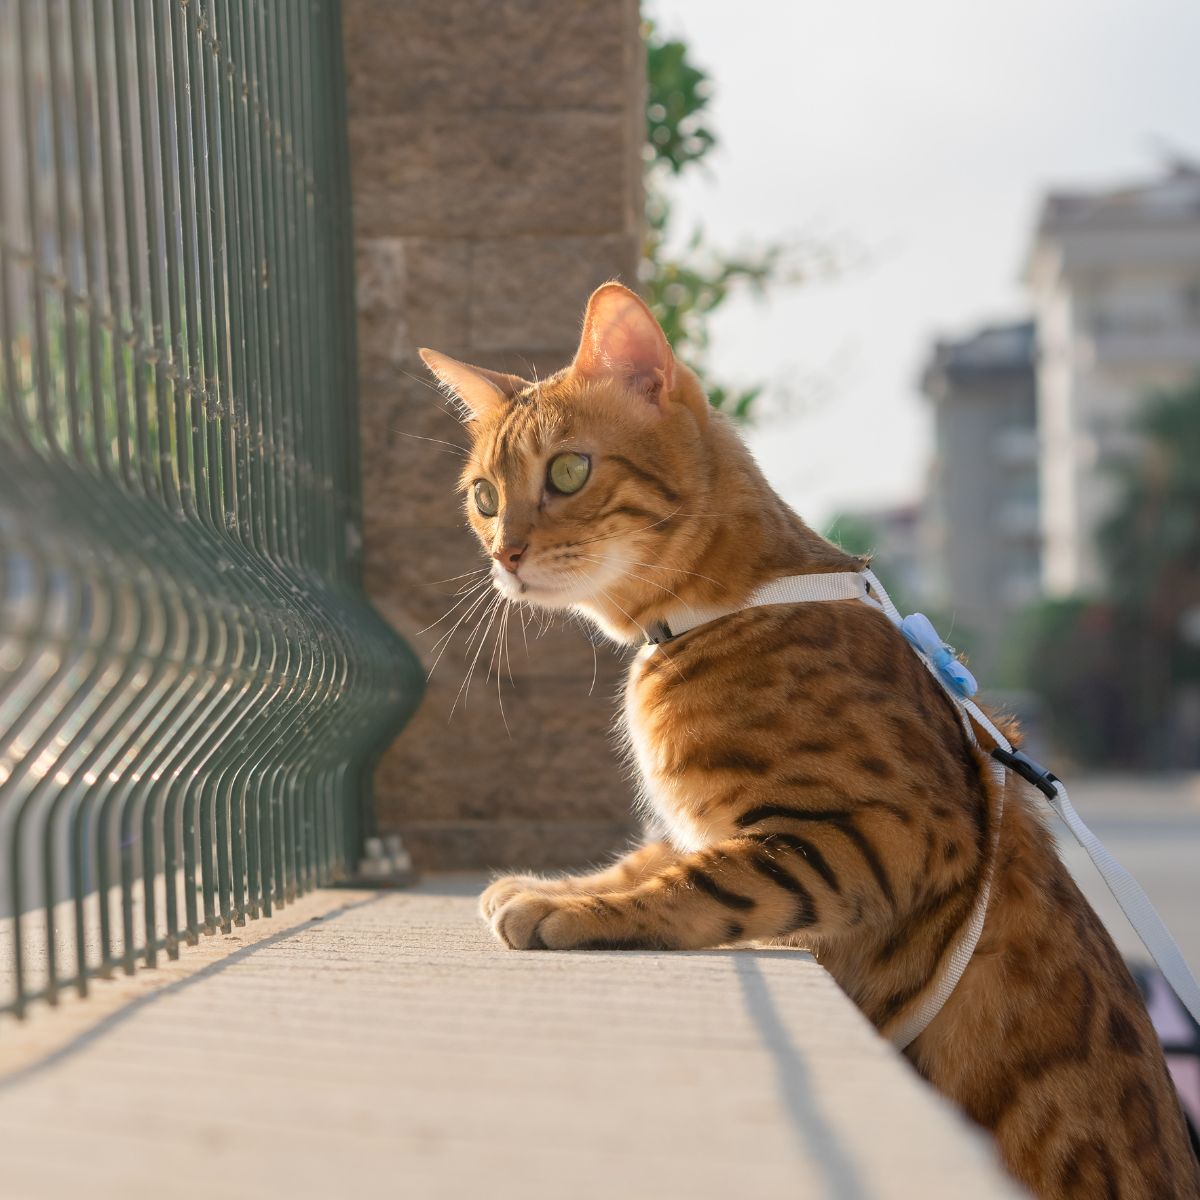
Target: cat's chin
[564,599]
[540,594]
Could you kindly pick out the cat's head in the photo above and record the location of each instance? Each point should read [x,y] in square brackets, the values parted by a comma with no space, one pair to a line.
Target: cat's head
[590,488]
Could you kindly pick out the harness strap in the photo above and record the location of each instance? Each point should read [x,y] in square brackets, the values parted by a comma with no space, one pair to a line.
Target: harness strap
[984,736]
[920,1016]
[792,589]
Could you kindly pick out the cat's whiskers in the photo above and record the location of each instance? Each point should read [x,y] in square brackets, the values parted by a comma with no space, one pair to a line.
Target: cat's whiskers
[571,553]
[670,570]
[631,574]
[440,646]
[470,585]
[440,443]
[444,640]
[475,579]
[595,661]
[455,578]
[508,609]
[476,628]
[607,537]
[464,597]
[633,620]
[492,657]
[472,603]
[608,596]
[523,613]
[576,573]
[490,616]
[595,664]
[497,609]
[646,635]
[496,662]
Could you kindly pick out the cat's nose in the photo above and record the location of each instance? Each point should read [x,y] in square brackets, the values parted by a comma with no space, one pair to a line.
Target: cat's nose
[509,557]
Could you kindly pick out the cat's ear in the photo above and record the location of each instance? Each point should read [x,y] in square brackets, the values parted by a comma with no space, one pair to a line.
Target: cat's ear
[622,340]
[476,388]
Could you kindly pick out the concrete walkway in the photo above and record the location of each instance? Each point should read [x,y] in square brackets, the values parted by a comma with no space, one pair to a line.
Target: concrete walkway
[385,1047]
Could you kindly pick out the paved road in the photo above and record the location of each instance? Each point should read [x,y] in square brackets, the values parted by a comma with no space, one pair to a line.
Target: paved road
[1153,828]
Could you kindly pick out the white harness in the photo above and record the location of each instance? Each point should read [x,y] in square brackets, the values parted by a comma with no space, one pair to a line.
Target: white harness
[863,585]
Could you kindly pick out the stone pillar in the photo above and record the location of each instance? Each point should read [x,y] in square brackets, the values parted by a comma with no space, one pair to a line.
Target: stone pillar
[496,165]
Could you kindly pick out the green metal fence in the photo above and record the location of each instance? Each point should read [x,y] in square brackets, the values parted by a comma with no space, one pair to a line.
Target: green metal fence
[193,689]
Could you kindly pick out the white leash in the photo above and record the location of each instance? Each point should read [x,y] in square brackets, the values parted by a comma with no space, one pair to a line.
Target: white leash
[854,585]
[1135,904]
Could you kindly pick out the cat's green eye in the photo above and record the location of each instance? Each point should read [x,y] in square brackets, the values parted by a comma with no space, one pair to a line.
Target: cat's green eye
[568,473]
[486,499]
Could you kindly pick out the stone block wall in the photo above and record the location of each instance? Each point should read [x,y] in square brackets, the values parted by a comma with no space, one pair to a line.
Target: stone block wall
[496,171]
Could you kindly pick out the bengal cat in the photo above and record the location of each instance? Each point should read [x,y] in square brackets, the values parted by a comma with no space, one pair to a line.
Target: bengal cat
[805,780]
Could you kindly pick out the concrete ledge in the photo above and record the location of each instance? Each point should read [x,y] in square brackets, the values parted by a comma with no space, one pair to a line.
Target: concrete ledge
[391,1049]
[48,1030]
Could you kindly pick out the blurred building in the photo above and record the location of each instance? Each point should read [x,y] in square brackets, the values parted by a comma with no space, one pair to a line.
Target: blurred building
[979,529]
[1115,282]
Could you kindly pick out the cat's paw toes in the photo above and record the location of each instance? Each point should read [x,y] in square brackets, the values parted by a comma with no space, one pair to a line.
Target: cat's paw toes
[566,927]
[517,923]
[502,890]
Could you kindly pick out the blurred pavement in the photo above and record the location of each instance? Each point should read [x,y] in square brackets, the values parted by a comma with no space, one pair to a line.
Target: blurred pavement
[1152,825]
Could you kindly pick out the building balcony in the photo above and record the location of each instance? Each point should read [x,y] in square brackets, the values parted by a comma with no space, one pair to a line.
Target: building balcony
[1170,347]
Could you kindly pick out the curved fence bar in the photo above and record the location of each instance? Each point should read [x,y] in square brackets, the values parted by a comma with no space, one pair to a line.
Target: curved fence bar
[193,687]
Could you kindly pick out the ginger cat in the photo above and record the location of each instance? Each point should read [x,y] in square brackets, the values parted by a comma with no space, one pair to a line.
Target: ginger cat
[805,780]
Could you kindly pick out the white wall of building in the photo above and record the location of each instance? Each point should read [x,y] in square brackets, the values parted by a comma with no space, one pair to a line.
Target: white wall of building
[1115,282]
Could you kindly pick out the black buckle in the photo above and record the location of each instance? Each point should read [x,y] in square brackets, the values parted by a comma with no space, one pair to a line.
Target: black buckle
[658,633]
[1032,772]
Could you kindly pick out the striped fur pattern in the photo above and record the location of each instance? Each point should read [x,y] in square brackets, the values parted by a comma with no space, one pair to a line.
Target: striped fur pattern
[804,780]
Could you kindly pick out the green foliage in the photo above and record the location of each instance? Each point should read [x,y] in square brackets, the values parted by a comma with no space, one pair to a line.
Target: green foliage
[1151,550]
[1151,543]
[678,93]
[684,290]
[685,287]
[1063,651]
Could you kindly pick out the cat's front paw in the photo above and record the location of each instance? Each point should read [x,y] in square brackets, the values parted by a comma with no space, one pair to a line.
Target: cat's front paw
[517,922]
[502,890]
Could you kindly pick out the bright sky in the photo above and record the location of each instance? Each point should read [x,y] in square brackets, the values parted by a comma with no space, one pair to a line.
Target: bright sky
[923,132]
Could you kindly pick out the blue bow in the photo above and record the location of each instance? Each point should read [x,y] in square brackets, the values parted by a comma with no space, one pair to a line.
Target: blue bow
[920,632]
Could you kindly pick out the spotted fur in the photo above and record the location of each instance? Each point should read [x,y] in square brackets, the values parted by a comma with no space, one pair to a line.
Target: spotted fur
[804,780]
